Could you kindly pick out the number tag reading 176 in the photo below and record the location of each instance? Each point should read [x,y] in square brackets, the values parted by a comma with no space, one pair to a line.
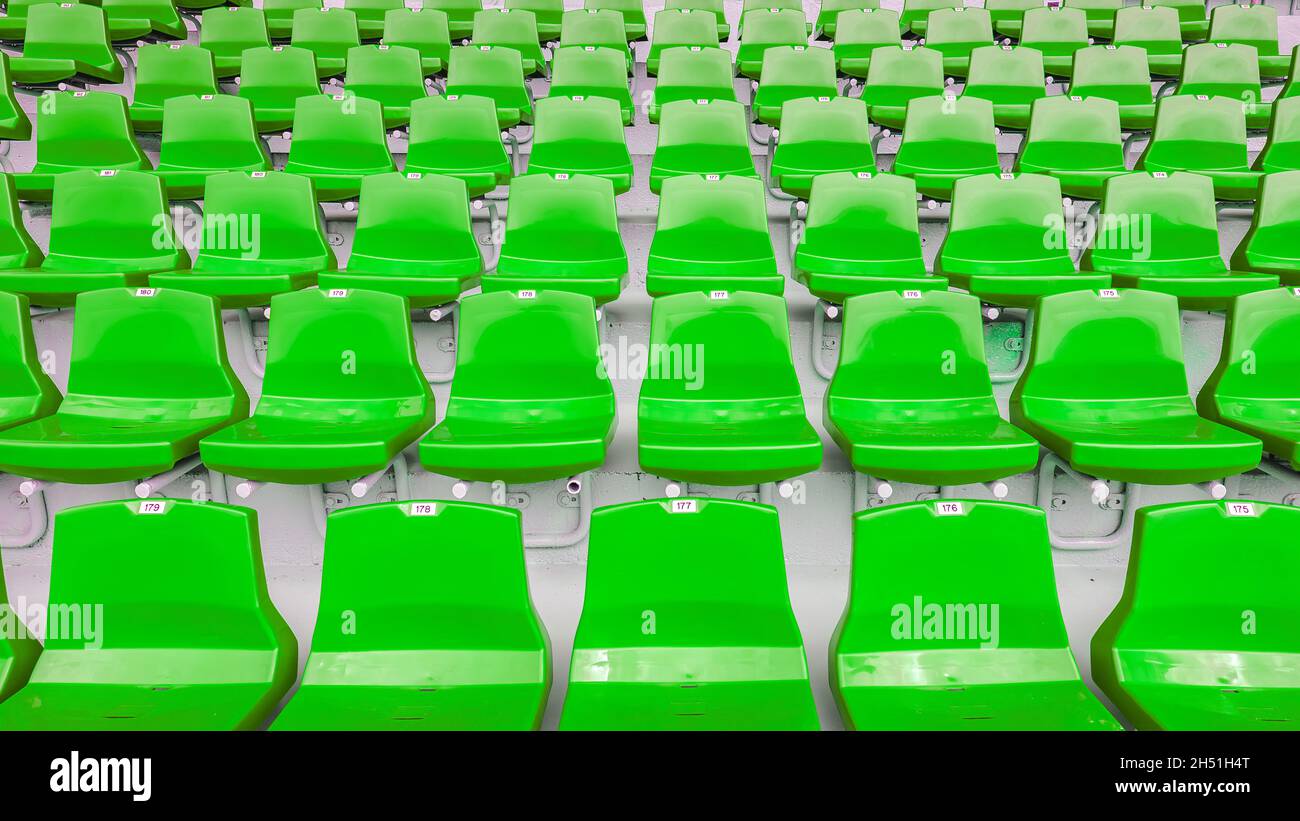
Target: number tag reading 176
[950,509]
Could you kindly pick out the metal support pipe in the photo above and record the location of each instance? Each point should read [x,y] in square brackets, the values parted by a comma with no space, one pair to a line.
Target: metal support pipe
[1121,535]
[37,526]
[578,533]
[147,487]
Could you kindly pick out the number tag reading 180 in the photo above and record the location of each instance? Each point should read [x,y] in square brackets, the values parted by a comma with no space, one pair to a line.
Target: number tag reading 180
[423,509]
[151,506]
[1240,508]
[950,508]
[682,506]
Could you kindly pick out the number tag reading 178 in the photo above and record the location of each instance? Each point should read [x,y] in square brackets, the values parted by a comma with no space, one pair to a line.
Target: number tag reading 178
[683,506]
[423,508]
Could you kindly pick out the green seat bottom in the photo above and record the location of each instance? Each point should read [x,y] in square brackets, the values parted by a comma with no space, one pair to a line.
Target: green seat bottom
[732,454]
[838,287]
[513,451]
[422,291]
[59,289]
[235,290]
[1023,291]
[601,289]
[1207,292]
[1050,705]
[1188,707]
[368,707]
[91,707]
[748,705]
[951,452]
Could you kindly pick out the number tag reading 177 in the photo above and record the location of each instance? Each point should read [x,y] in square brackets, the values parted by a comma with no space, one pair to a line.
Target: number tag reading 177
[151,506]
[683,506]
[1240,509]
[950,509]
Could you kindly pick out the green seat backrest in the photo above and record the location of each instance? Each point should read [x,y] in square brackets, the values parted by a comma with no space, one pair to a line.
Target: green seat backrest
[460,14]
[829,11]
[921,585]
[943,132]
[340,131]
[897,75]
[773,26]
[227,31]
[424,29]
[185,380]
[112,221]
[1097,10]
[736,594]
[955,31]
[1054,30]
[1151,225]
[715,7]
[695,74]
[901,354]
[62,31]
[279,13]
[17,249]
[508,28]
[547,12]
[1197,132]
[351,347]
[264,222]
[18,9]
[370,13]
[593,71]
[1221,70]
[810,124]
[560,378]
[580,134]
[85,129]
[411,223]
[489,72]
[674,27]
[713,221]
[918,11]
[170,70]
[549,218]
[1073,132]
[1082,339]
[1257,371]
[1001,219]
[871,218]
[746,337]
[1117,73]
[390,75]
[710,134]
[1006,75]
[211,132]
[26,391]
[1271,240]
[1153,28]
[401,572]
[1282,152]
[590,27]
[796,71]
[1181,596]
[1252,25]
[1188,10]
[452,132]
[276,77]
[160,604]
[326,32]
[859,30]
[633,11]
[14,122]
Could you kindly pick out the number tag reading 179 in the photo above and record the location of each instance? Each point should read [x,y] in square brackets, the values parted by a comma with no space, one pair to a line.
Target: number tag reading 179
[151,506]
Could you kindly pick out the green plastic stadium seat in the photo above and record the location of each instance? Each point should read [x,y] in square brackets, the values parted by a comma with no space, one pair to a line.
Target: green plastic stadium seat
[911,400]
[1252,25]
[78,131]
[675,28]
[64,40]
[511,28]
[945,139]
[861,236]
[712,7]
[1100,13]
[413,239]
[1120,74]
[460,15]
[1282,152]
[768,5]
[1106,389]
[544,411]
[27,392]
[1197,643]
[1161,233]
[1206,135]
[768,28]
[1010,78]
[1156,29]
[370,15]
[562,234]
[337,142]
[279,15]
[821,136]
[189,639]
[133,19]
[14,122]
[18,650]
[108,229]
[1226,70]
[548,13]
[1269,246]
[955,33]
[859,33]
[597,28]
[497,73]
[343,393]
[207,135]
[693,74]
[916,13]
[227,31]
[424,29]
[1057,32]
[1007,241]
[1191,16]
[13,26]
[147,379]
[390,75]
[452,641]
[166,71]
[897,75]
[1253,389]
[933,638]
[269,240]
[328,33]
[712,233]
[581,135]
[741,423]
[1075,139]
[1007,15]
[701,137]
[592,71]
[829,11]
[633,11]
[17,249]
[273,79]
[714,649]
[457,136]
[790,72]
